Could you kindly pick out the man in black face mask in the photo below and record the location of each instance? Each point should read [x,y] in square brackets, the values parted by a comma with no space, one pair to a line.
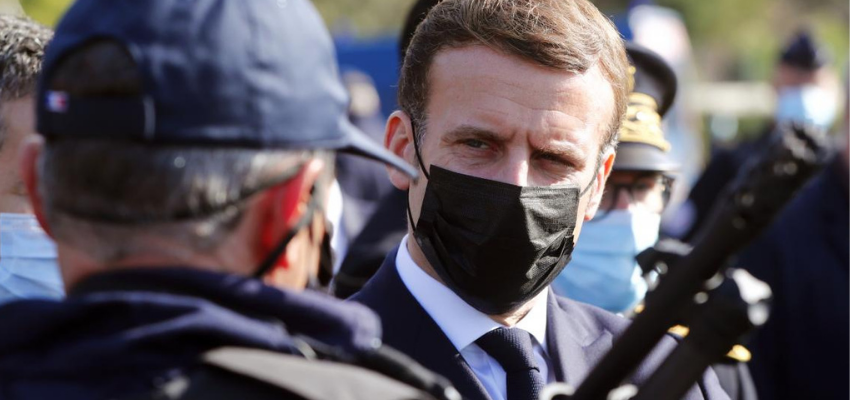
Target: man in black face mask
[185,153]
[510,110]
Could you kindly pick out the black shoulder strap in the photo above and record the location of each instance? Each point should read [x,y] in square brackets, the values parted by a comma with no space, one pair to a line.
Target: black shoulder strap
[245,373]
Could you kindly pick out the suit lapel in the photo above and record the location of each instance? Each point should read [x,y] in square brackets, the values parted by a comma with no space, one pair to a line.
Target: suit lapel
[409,329]
[571,345]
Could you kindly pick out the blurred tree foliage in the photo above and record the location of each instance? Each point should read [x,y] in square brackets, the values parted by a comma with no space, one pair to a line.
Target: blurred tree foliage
[45,11]
[738,38]
[749,34]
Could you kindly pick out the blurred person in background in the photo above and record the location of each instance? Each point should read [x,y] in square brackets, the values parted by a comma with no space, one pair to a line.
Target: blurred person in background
[603,271]
[184,175]
[27,255]
[806,85]
[364,109]
[662,30]
[801,352]
[384,229]
[360,184]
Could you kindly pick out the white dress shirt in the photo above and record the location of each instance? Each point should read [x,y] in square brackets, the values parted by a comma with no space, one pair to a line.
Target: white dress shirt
[463,324]
[333,211]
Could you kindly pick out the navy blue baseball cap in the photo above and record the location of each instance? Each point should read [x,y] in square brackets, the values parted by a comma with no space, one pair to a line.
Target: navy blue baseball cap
[234,73]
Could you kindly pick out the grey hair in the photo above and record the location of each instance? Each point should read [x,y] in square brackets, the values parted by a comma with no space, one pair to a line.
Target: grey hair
[108,199]
[22,44]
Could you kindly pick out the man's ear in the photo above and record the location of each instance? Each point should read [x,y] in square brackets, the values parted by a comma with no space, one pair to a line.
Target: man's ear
[28,156]
[602,173]
[284,205]
[399,140]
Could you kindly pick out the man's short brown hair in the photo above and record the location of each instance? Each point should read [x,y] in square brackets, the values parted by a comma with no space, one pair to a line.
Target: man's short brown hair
[569,35]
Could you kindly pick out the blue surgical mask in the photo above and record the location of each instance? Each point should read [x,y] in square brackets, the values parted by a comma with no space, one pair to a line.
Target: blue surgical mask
[603,270]
[28,266]
[807,103]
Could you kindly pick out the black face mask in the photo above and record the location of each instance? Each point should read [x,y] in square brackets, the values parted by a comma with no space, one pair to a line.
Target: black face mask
[494,244]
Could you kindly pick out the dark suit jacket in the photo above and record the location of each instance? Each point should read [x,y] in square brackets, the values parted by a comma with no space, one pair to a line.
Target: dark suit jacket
[578,336]
[381,234]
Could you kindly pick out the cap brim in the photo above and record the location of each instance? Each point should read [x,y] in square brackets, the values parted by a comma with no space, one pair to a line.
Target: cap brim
[362,145]
[643,157]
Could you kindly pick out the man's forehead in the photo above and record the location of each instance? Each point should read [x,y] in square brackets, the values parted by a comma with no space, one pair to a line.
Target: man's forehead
[475,85]
[459,65]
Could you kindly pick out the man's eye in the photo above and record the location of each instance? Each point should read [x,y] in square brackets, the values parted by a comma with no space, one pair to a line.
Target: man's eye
[645,184]
[475,144]
[554,159]
[642,187]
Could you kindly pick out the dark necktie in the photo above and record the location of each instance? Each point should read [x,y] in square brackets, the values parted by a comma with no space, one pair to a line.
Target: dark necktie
[514,350]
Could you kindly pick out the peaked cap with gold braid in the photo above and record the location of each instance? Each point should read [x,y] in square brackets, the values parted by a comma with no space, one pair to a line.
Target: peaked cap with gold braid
[653,87]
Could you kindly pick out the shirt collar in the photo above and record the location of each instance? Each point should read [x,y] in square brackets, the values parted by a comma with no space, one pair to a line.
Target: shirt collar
[461,323]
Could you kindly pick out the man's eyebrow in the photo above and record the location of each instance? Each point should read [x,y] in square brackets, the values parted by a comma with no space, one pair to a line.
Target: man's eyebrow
[568,152]
[469,131]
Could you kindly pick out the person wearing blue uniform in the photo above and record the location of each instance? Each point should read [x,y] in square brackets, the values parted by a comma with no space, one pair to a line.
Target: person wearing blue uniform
[510,110]
[183,162]
[805,86]
[801,351]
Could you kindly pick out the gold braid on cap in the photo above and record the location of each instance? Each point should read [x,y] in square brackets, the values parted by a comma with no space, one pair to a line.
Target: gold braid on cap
[642,123]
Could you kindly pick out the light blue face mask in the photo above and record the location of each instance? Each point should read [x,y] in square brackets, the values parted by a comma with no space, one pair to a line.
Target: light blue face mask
[28,266]
[806,103]
[603,270]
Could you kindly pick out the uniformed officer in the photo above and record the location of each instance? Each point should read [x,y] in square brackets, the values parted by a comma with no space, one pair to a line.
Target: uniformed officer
[185,155]
[806,92]
[801,352]
[603,271]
